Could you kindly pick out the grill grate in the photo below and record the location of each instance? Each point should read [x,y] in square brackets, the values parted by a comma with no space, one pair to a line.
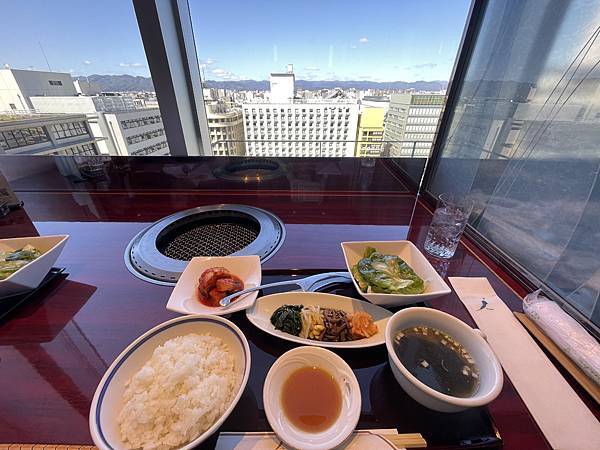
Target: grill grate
[209,239]
[160,253]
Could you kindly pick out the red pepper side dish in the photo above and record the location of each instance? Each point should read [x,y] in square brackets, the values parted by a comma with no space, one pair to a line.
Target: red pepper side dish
[217,283]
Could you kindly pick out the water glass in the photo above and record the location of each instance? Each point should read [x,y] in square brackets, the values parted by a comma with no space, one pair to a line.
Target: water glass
[449,221]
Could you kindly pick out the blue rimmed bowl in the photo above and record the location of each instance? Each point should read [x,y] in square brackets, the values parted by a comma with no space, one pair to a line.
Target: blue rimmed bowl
[107,402]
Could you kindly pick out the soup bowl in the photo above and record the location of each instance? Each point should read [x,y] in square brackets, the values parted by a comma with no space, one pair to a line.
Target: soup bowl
[345,423]
[490,371]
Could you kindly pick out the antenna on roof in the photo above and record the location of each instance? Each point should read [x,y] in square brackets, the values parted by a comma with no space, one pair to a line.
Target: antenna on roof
[44,53]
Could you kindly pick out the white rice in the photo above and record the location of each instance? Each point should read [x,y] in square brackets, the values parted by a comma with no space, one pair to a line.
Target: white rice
[181,391]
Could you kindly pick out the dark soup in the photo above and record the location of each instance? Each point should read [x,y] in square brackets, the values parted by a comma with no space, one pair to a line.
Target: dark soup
[437,360]
[311,399]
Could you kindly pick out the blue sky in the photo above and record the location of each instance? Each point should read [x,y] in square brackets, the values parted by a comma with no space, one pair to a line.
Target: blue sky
[404,40]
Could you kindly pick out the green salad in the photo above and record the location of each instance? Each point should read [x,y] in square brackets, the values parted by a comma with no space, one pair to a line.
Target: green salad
[386,274]
[12,261]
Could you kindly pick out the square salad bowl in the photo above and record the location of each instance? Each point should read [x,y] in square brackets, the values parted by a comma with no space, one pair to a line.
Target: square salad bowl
[435,286]
[31,275]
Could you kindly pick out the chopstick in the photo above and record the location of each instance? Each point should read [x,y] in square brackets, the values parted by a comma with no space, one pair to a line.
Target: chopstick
[405,440]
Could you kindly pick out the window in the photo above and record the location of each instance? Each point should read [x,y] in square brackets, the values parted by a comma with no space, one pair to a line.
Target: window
[336,65]
[69,130]
[523,142]
[106,71]
[13,139]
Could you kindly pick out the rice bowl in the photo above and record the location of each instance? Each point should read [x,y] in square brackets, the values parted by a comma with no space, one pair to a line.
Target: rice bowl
[194,368]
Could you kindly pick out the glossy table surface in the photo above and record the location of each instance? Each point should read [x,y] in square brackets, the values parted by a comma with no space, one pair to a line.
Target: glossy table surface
[54,351]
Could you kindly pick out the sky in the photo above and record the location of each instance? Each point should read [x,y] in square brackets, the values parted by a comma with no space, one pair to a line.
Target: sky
[401,40]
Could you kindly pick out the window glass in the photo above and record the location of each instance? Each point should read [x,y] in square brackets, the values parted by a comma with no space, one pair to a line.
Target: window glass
[76,71]
[523,141]
[311,78]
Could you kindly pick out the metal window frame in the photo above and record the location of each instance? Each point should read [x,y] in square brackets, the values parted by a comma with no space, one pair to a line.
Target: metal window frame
[166,30]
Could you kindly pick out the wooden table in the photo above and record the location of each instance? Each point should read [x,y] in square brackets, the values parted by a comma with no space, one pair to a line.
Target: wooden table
[53,352]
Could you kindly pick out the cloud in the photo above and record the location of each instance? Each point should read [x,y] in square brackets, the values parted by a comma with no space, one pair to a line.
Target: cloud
[353,46]
[225,74]
[313,68]
[207,61]
[135,65]
[363,40]
[421,66]
[87,62]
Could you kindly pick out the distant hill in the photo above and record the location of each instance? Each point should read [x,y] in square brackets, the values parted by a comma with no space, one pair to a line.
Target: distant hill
[110,83]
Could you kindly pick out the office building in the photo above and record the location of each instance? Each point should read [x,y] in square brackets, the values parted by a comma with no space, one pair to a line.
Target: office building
[282,86]
[369,138]
[300,129]
[17,86]
[412,119]
[137,132]
[285,127]
[111,125]
[226,128]
[46,134]
[114,102]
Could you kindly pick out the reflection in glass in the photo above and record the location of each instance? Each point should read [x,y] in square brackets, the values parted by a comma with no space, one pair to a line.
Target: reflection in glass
[523,141]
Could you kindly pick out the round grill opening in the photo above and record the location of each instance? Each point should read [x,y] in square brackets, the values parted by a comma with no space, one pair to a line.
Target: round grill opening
[251,169]
[160,253]
[207,236]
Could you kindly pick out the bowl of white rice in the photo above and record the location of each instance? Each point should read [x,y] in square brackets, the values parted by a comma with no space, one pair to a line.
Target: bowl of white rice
[172,387]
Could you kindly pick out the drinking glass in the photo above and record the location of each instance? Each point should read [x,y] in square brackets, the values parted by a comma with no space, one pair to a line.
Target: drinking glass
[449,221]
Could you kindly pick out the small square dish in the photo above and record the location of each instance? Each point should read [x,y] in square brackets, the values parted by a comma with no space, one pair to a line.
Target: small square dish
[32,273]
[185,298]
[435,286]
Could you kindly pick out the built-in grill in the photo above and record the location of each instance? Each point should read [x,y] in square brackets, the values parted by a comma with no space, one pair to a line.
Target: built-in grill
[160,252]
[250,169]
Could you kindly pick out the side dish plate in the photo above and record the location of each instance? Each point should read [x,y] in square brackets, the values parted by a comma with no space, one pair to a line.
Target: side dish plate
[184,298]
[260,314]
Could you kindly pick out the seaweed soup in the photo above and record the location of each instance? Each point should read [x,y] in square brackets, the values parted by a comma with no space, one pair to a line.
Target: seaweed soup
[437,360]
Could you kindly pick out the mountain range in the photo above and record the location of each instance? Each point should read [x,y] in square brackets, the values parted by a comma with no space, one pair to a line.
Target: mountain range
[130,83]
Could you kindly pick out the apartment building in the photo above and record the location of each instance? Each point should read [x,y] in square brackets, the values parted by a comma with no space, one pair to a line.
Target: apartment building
[46,134]
[369,137]
[300,129]
[413,118]
[137,132]
[226,128]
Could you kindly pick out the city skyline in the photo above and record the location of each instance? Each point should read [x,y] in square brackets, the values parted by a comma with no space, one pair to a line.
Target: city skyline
[323,42]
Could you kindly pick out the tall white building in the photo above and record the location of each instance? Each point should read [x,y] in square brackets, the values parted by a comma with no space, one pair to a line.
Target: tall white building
[17,86]
[284,127]
[300,129]
[282,86]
